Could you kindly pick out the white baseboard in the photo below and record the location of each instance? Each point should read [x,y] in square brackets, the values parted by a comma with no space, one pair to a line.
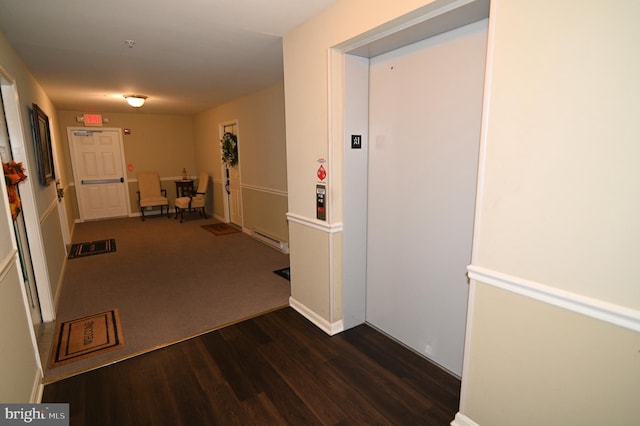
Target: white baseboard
[38,389]
[462,420]
[321,323]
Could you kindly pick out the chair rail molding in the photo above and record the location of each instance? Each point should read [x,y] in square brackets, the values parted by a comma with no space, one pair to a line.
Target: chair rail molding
[598,309]
[332,228]
[8,262]
[263,189]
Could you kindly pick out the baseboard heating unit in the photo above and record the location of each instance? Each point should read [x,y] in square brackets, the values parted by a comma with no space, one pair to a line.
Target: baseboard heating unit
[270,240]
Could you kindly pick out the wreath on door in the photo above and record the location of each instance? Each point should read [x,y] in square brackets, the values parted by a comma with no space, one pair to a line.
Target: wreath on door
[229,144]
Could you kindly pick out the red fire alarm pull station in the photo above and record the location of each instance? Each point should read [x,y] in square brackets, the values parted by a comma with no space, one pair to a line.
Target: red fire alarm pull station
[321,212]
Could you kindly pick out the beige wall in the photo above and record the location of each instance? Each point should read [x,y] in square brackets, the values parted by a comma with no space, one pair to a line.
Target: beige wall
[532,363]
[262,157]
[557,223]
[266,211]
[310,251]
[562,146]
[18,365]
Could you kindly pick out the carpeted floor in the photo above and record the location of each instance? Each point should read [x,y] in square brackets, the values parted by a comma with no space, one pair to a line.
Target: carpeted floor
[169,281]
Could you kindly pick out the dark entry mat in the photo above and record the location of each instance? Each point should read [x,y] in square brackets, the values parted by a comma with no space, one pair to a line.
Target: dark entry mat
[284,273]
[220,229]
[90,248]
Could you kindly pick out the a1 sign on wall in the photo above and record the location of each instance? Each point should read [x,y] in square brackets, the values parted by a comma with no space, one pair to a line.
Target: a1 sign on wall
[356,141]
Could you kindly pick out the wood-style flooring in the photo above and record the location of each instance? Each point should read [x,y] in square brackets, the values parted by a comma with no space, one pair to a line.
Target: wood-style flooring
[273,369]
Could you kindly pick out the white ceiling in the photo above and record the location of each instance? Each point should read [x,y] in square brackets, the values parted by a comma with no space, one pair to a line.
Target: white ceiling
[188,56]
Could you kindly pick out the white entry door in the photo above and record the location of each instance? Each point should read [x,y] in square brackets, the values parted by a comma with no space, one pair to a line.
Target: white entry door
[99,172]
[232,185]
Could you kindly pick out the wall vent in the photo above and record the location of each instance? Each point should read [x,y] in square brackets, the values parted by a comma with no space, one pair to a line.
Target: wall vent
[270,240]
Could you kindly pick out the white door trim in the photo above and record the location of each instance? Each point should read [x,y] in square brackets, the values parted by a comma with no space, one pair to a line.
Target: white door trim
[15,128]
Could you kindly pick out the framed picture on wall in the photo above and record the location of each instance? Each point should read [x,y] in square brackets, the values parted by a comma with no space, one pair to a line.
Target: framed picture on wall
[42,144]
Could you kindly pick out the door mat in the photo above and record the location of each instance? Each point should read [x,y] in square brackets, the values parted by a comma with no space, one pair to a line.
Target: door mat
[221,229]
[90,248]
[84,337]
[284,273]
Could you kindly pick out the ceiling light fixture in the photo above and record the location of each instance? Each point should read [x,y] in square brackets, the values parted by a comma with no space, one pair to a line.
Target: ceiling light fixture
[135,101]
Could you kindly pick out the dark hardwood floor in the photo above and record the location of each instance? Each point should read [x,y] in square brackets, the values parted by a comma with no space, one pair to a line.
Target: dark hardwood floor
[274,369]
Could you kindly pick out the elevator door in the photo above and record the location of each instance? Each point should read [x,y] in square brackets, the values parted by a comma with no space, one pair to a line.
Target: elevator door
[425,104]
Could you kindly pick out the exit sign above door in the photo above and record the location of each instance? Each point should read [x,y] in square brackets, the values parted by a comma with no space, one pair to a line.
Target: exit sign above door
[92,119]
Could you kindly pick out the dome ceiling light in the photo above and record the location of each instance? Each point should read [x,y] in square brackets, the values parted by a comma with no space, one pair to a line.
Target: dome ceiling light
[135,101]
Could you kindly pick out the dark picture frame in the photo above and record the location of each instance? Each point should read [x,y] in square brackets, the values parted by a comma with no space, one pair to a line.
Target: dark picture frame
[42,144]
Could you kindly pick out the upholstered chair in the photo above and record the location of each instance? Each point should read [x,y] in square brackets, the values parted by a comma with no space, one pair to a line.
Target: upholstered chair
[194,200]
[150,194]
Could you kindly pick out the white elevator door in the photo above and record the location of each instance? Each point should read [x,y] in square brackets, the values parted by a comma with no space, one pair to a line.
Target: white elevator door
[424,114]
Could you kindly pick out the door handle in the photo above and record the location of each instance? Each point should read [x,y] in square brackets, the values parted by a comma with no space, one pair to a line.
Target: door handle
[97,181]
